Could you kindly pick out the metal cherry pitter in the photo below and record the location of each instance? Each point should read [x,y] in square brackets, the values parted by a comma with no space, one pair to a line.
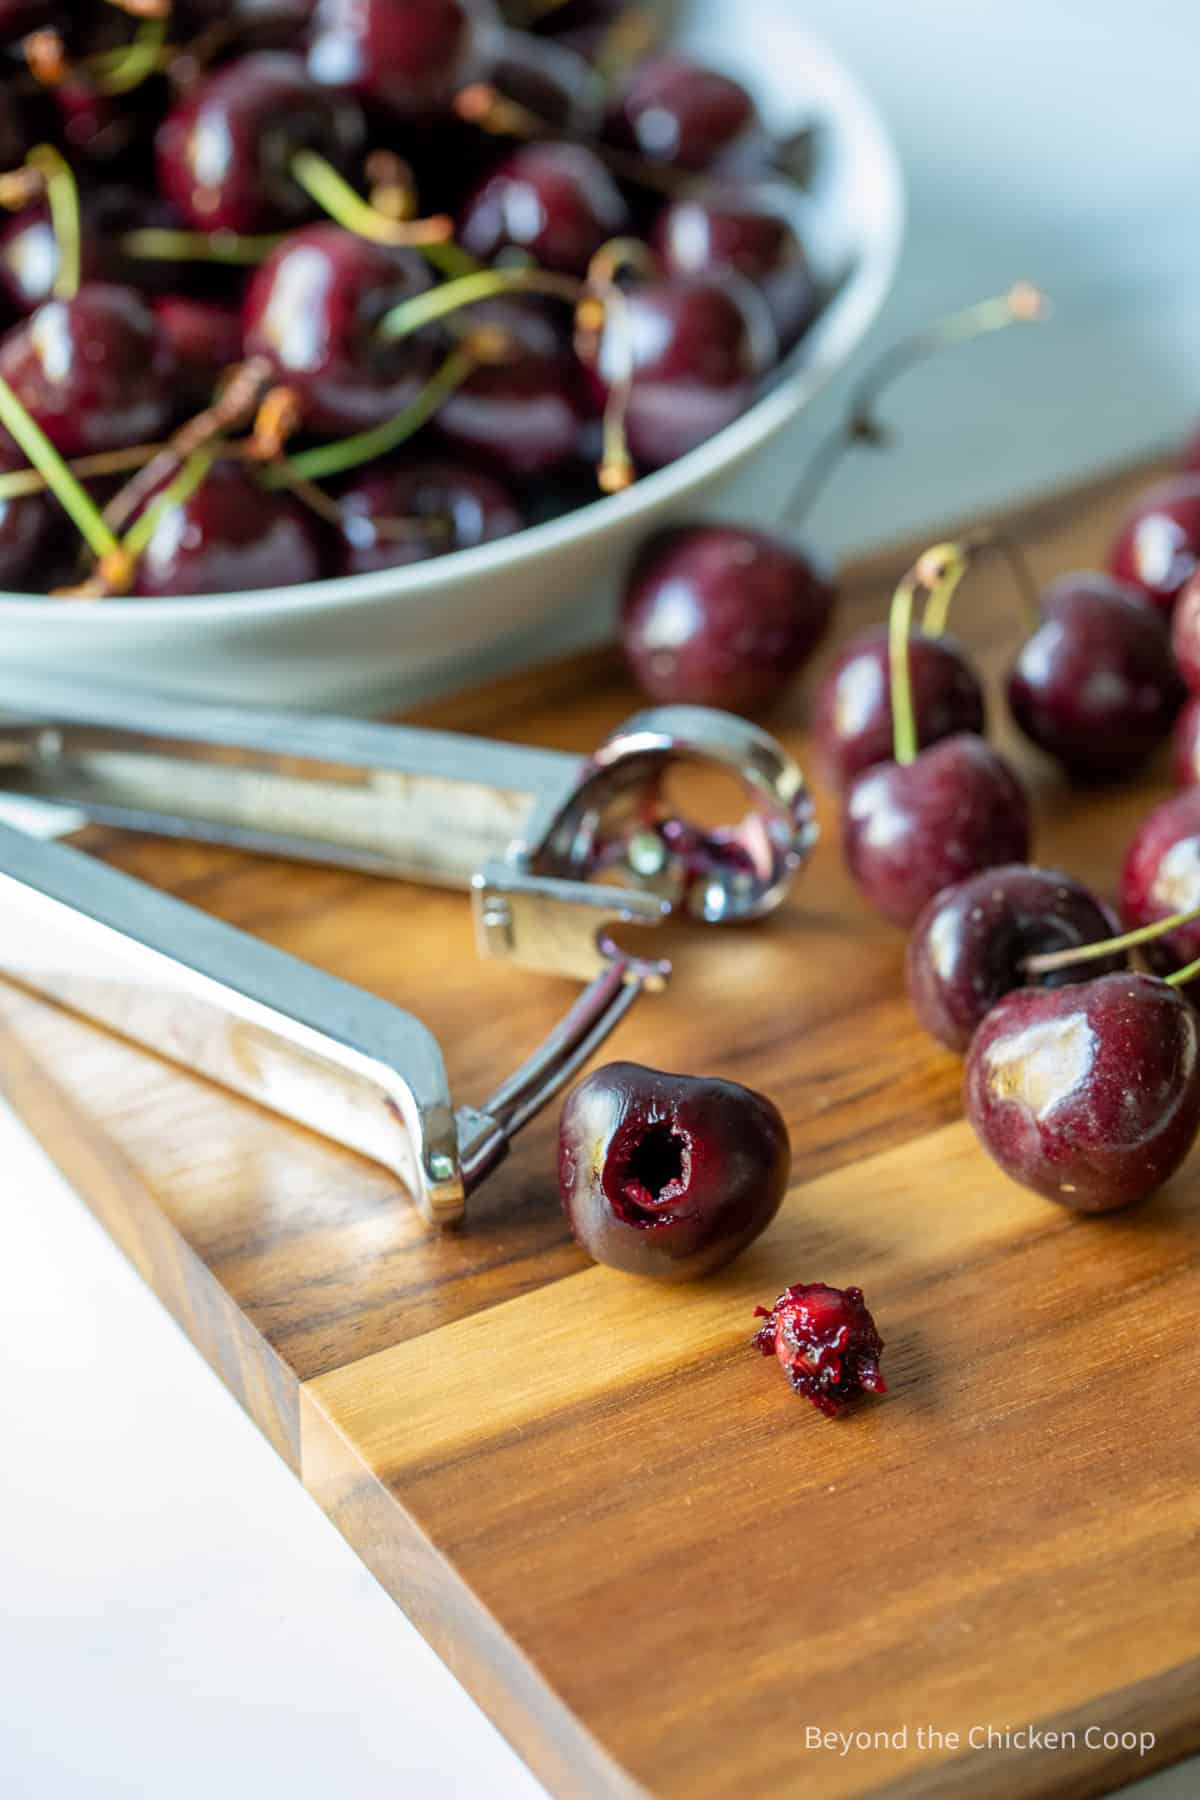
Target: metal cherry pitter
[555,850]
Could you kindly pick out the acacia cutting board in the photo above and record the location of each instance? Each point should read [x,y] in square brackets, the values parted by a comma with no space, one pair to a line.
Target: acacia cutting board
[656,1568]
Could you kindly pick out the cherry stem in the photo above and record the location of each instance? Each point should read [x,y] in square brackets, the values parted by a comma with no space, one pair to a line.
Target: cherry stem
[1023,304]
[1051,960]
[62,197]
[18,484]
[942,566]
[75,501]
[616,470]
[123,70]
[177,492]
[334,195]
[468,290]
[937,608]
[1186,974]
[156,244]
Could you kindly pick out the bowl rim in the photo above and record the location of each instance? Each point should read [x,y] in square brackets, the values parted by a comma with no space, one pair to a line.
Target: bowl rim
[804,372]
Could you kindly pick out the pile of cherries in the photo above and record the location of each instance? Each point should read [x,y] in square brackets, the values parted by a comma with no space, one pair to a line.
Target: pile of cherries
[303,287]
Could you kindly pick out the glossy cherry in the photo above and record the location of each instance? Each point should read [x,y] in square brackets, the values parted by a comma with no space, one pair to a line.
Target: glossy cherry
[675,111]
[1185,745]
[970,945]
[29,259]
[406,57]
[1161,876]
[313,309]
[1157,548]
[96,372]
[1185,634]
[402,513]
[852,712]
[206,337]
[911,829]
[669,1175]
[523,415]
[229,537]
[225,150]
[1096,685]
[1088,1094]
[718,616]
[755,233]
[826,1343]
[555,203]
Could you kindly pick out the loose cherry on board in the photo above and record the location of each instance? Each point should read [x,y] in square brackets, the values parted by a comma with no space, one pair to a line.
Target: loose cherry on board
[230,536]
[751,231]
[556,203]
[1185,745]
[401,513]
[1095,686]
[972,943]
[1161,877]
[826,1343]
[406,57]
[669,1175]
[852,721]
[1157,548]
[1185,634]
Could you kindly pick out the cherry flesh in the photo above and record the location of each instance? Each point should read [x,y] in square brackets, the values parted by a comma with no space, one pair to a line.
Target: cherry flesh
[96,372]
[669,1175]
[225,150]
[717,616]
[1096,686]
[229,537]
[1088,1094]
[1185,745]
[555,203]
[522,416]
[313,309]
[970,944]
[459,507]
[1161,876]
[826,1343]
[751,232]
[911,829]
[674,111]
[852,711]
[1185,634]
[1157,548]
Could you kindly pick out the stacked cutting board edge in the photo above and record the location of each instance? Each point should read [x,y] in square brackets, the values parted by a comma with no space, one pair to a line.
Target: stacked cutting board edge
[655,1569]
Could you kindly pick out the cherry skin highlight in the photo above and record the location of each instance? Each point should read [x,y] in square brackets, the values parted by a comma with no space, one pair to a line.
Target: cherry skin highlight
[1157,548]
[717,616]
[911,829]
[826,1343]
[1088,1094]
[674,111]
[1161,877]
[442,505]
[968,947]
[231,536]
[669,1175]
[852,712]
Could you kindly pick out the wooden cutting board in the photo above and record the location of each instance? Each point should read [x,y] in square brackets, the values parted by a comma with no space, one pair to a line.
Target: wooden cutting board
[655,1568]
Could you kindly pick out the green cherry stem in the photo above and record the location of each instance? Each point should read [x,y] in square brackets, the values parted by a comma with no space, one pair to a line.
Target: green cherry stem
[62,197]
[75,501]
[156,244]
[1184,975]
[937,569]
[937,608]
[468,290]
[177,492]
[121,71]
[1052,960]
[346,206]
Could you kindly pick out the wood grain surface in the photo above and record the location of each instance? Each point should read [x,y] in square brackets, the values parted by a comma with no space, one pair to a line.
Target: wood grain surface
[655,1568]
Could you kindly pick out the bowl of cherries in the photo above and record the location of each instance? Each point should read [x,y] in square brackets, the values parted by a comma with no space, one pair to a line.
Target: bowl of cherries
[343,342]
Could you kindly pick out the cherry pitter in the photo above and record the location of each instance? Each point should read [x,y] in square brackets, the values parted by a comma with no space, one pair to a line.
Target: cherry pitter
[555,850]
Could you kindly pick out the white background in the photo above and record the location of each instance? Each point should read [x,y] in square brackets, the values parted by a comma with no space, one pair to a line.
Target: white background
[177,1618]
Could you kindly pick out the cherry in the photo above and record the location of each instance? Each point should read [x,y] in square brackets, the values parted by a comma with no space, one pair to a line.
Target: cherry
[852,712]
[408,57]
[1088,1094]
[753,232]
[1185,745]
[228,537]
[29,251]
[826,1343]
[225,150]
[96,371]
[693,350]
[313,308]
[259,21]
[393,516]
[669,1175]
[556,203]
[524,414]
[1096,686]
[29,528]
[1161,876]
[1158,546]
[971,943]
[1185,634]
[551,80]
[715,616]
[911,829]
[206,337]
[672,110]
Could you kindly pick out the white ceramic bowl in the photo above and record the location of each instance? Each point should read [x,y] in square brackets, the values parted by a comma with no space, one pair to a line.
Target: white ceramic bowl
[365,641]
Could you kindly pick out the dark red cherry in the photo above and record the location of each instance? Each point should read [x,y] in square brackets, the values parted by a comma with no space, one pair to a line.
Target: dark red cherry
[669,1175]
[1158,546]
[553,81]
[407,512]
[408,57]
[911,829]
[522,416]
[225,150]
[719,616]
[852,711]
[29,250]
[1096,685]
[313,310]
[96,372]
[751,231]
[970,944]
[675,111]
[1185,634]
[19,17]
[556,203]
[699,347]
[1161,876]
[826,1343]
[231,536]
[206,336]
[31,529]
[1088,1094]
[1185,745]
